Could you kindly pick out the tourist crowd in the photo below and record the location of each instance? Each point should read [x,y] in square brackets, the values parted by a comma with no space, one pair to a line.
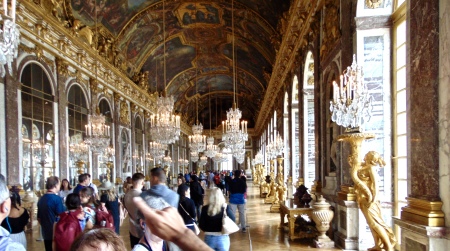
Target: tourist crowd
[160,218]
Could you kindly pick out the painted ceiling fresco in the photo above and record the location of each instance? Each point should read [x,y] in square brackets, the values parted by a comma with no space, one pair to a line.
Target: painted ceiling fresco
[195,64]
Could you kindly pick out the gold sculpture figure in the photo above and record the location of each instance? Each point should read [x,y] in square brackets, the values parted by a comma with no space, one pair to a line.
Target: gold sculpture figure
[366,189]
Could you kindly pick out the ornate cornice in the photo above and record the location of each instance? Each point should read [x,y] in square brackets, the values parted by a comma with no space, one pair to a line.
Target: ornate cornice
[45,33]
[301,14]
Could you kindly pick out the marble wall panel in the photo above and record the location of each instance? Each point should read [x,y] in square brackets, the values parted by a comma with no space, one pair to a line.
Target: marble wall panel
[422,97]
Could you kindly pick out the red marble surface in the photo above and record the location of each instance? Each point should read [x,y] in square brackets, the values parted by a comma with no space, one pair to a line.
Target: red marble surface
[422,98]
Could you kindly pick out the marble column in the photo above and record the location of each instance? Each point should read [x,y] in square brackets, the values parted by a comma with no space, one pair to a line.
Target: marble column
[422,113]
[61,78]
[14,167]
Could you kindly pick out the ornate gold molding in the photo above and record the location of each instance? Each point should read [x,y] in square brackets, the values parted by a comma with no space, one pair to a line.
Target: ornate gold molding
[38,51]
[373,4]
[428,213]
[301,17]
[62,67]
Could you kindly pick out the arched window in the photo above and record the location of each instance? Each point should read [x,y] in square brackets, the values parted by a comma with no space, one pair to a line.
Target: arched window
[77,111]
[295,151]
[105,109]
[308,122]
[37,127]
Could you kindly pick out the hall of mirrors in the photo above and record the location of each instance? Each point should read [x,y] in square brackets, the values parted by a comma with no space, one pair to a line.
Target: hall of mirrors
[78,100]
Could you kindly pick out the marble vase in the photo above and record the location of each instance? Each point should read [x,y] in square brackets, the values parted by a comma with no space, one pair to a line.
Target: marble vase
[322,215]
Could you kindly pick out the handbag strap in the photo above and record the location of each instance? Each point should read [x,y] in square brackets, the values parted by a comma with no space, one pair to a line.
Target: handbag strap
[224,210]
[187,212]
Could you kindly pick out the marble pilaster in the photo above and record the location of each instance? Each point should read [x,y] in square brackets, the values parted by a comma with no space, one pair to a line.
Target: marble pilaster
[117,137]
[444,107]
[133,138]
[93,86]
[422,108]
[422,113]
[61,77]
[12,130]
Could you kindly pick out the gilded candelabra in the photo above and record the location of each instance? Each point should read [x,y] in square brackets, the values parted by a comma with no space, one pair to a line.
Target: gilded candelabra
[109,166]
[280,187]
[272,186]
[364,176]
[80,166]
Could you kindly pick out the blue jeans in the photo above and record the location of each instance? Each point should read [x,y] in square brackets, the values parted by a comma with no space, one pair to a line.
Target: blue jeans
[218,243]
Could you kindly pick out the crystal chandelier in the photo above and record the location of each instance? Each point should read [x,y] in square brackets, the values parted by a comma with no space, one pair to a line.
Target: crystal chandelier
[203,160]
[164,125]
[156,150]
[167,160]
[234,131]
[240,156]
[194,156]
[270,150]
[10,38]
[259,158]
[278,145]
[79,151]
[182,161]
[40,151]
[197,142]
[220,156]
[351,104]
[97,133]
[211,149]
[109,152]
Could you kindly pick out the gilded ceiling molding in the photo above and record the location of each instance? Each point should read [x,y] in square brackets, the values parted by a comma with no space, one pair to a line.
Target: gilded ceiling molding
[47,31]
[38,51]
[301,15]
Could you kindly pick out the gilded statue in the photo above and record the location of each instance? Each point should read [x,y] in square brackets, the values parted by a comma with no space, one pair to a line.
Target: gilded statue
[366,189]
[282,192]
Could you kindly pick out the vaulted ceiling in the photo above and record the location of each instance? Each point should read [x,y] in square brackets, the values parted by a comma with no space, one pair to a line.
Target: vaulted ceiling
[197,53]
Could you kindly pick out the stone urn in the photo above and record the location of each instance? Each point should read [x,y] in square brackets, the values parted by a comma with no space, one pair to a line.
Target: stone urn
[322,215]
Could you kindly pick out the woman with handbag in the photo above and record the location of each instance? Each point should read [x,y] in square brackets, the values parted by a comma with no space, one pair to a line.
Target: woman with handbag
[212,218]
[186,208]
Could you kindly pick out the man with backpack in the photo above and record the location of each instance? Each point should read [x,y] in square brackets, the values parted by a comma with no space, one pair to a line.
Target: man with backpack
[70,224]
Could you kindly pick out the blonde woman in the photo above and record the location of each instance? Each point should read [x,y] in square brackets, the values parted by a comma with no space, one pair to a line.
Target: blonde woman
[211,221]
[110,200]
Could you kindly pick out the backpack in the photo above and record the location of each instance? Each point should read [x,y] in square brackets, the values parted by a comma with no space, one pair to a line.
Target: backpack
[66,230]
[107,217]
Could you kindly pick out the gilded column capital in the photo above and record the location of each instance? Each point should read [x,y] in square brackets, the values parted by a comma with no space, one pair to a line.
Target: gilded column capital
[117,97]
[93,83]
[135,108]
[62,66]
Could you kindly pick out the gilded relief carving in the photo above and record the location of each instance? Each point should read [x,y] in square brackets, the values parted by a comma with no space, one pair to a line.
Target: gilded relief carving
[331,31]
[62,67]
[373,4]
[124,113]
